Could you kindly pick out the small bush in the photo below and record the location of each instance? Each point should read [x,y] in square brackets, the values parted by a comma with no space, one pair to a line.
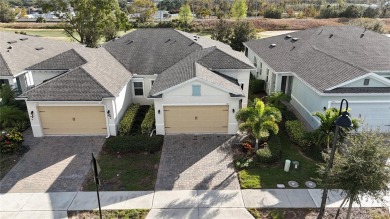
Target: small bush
[297,133]
[352,11]
[288,115]
[329,12]
[148,122]
[135,144]
[40,20]
[272,153]
[256,86]
[243,163]
[273,12]
[127,121]
[10,141]
[371,12]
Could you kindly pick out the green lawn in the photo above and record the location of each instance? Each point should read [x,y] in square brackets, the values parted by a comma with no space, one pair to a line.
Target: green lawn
[262,176]
[128,172]
[57,34]
[128,214]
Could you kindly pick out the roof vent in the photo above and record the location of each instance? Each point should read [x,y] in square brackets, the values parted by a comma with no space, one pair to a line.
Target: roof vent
[13,41]
[195,37]
[288,36]
[273,45]
[295,39]
[39,48]
[320,31]
[23,39]
[330,36]
[362,35]
[10,47]
[129,42]
[168,40]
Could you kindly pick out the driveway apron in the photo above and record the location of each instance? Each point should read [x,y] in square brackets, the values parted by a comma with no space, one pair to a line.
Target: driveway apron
[54,164]
[197,162]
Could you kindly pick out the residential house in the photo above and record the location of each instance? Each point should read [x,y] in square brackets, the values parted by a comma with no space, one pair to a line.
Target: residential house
[321,66]
[196,84]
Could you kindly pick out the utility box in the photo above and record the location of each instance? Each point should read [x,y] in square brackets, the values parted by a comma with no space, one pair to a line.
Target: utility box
[295,164]
[287,165]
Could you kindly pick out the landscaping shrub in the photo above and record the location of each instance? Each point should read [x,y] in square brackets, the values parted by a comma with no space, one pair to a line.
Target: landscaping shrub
[273,12]
[135,144]
[329,12]
[371,12]
[148,122]
[297,133]
[243,163]
[371,24]
[272,152]
[288,115]
[10,141]
[352,11]
[256,86]
[127,121]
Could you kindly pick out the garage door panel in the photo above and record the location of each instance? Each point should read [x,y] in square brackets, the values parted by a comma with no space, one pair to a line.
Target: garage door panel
[196,119]
[89,120]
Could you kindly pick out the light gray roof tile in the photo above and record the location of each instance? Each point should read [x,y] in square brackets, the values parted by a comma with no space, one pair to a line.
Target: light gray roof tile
[64,61]
[4,70]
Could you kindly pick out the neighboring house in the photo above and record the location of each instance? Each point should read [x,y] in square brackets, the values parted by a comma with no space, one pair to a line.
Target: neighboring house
[321,66]
[196,84]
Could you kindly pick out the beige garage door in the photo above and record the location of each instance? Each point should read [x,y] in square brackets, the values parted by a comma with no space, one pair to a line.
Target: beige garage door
[196,119]
[73,120]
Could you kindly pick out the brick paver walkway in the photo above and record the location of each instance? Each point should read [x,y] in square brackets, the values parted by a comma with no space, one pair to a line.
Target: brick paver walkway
[54,164]
[196,162]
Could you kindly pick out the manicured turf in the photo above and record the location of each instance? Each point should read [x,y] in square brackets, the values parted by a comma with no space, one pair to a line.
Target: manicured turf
[130,172]
[262,176]
[129,214]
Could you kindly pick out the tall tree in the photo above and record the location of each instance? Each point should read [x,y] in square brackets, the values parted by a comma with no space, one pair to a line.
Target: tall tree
[259,120]
[327,127]
[222,31]
[185,14]
[361,170]
[243,31]
[221,8]
[90,20]
[6,13]
[144,9]
[239,9]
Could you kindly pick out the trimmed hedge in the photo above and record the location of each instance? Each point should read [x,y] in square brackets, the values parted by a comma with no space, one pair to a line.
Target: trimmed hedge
[256,86]
[297,133]
[127,121]
[272,153]
[135,144]
[148,122]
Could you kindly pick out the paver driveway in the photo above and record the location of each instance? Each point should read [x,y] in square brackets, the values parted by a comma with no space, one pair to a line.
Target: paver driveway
[196,162]
[54,164]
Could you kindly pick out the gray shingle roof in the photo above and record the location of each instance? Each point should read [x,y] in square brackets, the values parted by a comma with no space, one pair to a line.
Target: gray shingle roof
[187,69]
[360,90]
[325,57]
[76,85]
[4,70]
[24,54]
[151,51]
[218,59]
[64,61]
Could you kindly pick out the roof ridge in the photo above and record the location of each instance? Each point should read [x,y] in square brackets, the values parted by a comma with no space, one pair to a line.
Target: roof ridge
[6,64]
[78,54]
[181,33]
[338,59]
[231,55]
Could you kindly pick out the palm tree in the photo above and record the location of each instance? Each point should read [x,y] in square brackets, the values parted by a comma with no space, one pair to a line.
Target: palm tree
[327,127]
[259,120]
[10,116]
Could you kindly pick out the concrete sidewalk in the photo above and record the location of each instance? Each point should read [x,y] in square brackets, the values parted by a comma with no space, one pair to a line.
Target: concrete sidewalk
[191,204]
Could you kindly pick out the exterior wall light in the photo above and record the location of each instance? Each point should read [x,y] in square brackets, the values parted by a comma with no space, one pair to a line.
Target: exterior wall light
[109,114]
[233,110]
[158,111]
[32,115]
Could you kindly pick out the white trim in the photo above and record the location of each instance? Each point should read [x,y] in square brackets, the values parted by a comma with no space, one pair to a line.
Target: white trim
[107,121]
[19,74]
[373,75]
[195,104]
[143,87]
[359,101]
[190,81]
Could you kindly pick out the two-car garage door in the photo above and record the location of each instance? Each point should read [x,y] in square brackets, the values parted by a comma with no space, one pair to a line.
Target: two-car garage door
[196,119]
[73,120]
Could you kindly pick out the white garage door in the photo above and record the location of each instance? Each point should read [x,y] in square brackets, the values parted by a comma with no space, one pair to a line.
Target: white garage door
[196,119]
[73,120]
[374,115]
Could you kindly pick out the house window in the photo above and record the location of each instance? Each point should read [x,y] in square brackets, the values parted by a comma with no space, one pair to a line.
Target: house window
[366,81]
[195,90]
[266,79]
[246,51]
[261,67]
[4,81]
[242,86]
[255,62]
[138,88]
[152,82]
